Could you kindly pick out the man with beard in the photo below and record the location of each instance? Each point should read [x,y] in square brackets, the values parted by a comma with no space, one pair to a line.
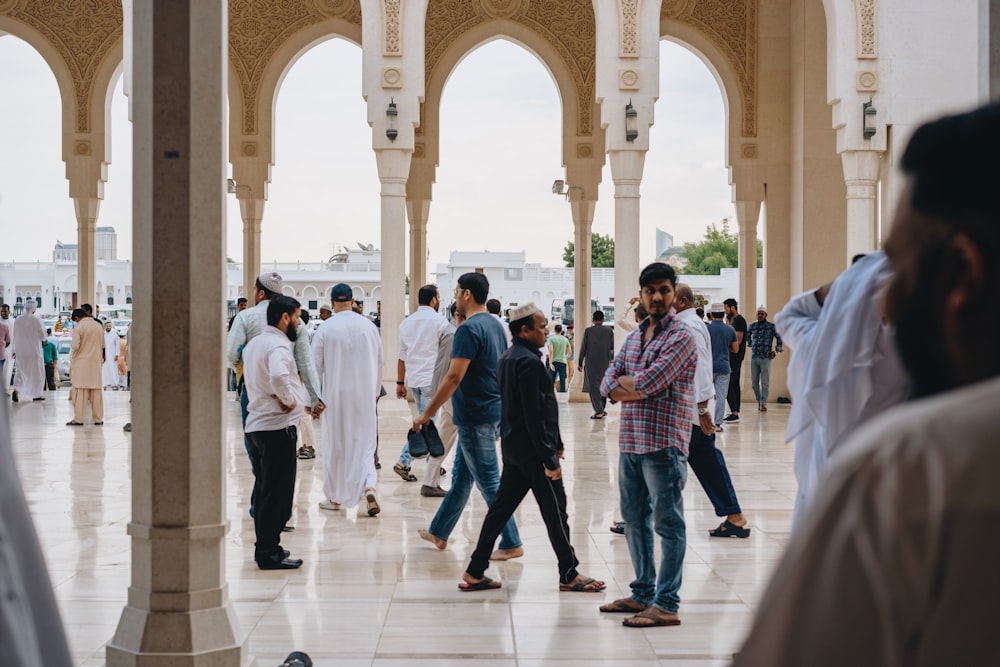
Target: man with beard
[895,564]
[277,400]
[739,324]
[109,370]
[29,334]
[761,337]
[653,377]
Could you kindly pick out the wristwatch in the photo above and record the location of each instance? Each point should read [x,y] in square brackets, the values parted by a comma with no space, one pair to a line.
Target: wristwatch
[702,412]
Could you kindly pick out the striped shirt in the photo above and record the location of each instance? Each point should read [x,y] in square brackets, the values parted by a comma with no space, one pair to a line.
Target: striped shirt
[249,324]
[663,370]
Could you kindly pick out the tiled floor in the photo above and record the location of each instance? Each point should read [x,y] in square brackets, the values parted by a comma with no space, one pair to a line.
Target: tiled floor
[372,593]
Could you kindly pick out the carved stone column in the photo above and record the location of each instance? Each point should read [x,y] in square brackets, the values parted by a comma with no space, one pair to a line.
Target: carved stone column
[747,215]
[626,172]
[861,169]
[583,226]
[393,168]
[177,611]
[87,209]
[252,212]
[417,210]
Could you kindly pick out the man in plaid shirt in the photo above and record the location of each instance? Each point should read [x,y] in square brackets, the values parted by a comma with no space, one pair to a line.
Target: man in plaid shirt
[653,378]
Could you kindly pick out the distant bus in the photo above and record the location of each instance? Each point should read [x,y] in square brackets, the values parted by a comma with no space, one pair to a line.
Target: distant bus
[563,310]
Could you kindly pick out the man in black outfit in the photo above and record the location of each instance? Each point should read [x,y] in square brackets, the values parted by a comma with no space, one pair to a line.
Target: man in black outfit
[739,323]
[596,353]
[531,447]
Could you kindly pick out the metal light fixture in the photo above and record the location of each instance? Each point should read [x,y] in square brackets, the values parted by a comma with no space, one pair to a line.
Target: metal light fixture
[391,115]
[559,187]
[631,122]
[230,186]
[868,112]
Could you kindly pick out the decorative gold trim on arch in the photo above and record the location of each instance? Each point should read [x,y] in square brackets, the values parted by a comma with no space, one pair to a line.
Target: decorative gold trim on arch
[731,26]
[568,26]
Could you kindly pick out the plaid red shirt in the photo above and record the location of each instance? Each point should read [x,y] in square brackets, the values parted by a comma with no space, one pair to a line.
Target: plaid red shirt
[663,371]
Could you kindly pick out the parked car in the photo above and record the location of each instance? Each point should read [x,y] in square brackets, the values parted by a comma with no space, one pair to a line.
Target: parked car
[62,365]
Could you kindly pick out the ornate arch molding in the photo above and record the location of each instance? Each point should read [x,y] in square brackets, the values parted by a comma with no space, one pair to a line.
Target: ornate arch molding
[76,39]
[568,26]
[265,39]
[730,26]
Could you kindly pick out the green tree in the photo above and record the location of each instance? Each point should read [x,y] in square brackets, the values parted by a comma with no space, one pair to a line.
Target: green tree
[718,250]
[602,252]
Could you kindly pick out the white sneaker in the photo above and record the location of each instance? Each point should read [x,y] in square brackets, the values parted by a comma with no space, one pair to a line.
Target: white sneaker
[329,505]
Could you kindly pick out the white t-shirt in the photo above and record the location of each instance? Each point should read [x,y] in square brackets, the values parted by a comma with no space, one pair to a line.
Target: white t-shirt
[418,345]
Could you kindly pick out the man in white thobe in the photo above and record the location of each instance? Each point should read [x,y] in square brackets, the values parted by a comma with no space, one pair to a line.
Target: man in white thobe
[348,352]
[895,563]
[844,369]
[28,334]
[109,370]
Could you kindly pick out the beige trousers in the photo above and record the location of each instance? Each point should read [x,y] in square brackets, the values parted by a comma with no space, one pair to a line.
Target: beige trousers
[80,399]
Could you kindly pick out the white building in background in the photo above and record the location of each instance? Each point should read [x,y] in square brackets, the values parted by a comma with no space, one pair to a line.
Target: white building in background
[663,241]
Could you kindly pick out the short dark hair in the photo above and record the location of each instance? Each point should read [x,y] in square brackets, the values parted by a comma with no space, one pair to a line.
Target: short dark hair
[493,306]
[240,300]
[657,271]
[599,315]
[268,294]
[730,302]
[558,328]
[426,295]
[87,309]
[452,309]
[526,321]
[77,314]
[280,305]
[477,284]
[304,316]
[49,330]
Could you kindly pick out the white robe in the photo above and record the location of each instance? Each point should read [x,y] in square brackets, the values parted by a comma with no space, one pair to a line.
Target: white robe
[109,369]
[28,333]
[844,368]
[348,353]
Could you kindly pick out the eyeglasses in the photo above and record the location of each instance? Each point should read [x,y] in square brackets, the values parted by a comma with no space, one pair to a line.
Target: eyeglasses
[458,290]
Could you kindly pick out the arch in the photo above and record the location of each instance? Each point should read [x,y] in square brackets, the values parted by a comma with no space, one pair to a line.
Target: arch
[528,40]
[288,290]
[69,285]
[376,294]
[729,85]
[310,292]
[358,293]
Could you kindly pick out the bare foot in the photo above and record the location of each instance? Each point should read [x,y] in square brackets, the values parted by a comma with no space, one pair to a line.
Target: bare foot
[737,520]
[433,539]
[507,554]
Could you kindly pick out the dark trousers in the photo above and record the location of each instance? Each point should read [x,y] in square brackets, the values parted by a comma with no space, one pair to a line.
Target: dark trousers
[244,411]
[516,480]
[596,400]
[273,456]
[733,398]
[709,465]
[559,372]
[50,376]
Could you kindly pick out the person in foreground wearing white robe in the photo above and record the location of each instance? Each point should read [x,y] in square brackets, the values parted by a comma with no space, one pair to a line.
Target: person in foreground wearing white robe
[28,334]
[109,369]
[844,368]
[896,562]
[347,349]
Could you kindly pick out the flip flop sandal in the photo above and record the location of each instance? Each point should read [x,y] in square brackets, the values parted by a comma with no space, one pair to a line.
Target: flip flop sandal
[581,586]
[649,622]
[74,423]
[623,606]
[486,584]
[729,529]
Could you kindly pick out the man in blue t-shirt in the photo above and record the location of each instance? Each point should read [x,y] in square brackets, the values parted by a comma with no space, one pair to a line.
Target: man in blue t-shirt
[723,342]
[471,383]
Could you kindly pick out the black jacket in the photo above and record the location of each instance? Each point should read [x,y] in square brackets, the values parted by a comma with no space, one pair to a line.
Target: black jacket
[529,422]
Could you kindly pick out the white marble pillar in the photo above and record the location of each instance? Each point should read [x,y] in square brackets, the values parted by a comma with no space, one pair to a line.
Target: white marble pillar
[626,173]
[861,170]
[417,211]
[177,611]
[252,212]
[747,215]
[393,168]
[87,209]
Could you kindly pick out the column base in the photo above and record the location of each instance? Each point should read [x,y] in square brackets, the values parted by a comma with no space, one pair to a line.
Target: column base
[579,397]
[190,639]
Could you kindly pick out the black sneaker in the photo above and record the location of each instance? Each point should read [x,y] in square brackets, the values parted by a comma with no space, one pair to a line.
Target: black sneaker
[732,419]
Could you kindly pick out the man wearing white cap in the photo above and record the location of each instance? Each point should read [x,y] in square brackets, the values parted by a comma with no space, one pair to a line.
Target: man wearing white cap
[724,342]
[762,335]
[249,324]
[29,333]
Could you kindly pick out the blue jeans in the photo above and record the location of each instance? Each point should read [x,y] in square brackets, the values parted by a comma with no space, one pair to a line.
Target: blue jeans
[475,461]
[560,374]
[421,396]
[760,377]
[650,487]
[721,381]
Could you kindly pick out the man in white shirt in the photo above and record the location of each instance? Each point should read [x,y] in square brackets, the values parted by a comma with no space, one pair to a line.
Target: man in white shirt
[28,334]
[419,335]
[895,562]
[276,400]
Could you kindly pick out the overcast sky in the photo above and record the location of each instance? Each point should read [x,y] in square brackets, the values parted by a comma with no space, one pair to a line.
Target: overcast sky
[500,152]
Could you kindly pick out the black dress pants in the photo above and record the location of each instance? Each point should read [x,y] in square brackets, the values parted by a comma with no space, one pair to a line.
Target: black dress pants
[272,454]
[517,478]
[733,398]
[709,466]
[50,376]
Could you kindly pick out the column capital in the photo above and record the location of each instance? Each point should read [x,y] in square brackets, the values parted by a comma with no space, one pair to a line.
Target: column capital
[747,214]
[861,166]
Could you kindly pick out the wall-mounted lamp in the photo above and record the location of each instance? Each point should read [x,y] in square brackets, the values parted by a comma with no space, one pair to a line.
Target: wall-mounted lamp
[233,188]
[559,187]
[868,112]
[391,116]
[631,122]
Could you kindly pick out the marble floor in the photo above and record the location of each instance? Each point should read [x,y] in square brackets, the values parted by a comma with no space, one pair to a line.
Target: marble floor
[372,593]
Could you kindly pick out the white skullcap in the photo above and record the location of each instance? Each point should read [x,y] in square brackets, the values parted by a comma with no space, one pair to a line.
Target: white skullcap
[761,309]
[270,281]
[716,308]
[523,311]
